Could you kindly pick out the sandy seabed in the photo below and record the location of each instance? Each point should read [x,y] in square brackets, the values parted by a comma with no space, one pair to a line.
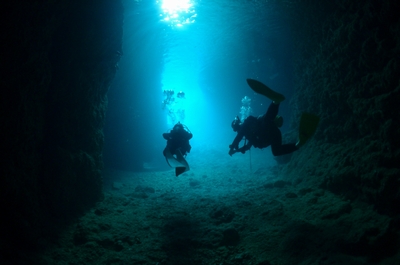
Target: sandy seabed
[229,211]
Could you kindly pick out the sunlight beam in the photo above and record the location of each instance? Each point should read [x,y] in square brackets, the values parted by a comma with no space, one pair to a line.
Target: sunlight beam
[177,12]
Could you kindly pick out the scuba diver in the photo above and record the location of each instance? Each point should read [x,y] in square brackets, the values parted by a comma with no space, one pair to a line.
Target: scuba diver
[264,131]
[177,148]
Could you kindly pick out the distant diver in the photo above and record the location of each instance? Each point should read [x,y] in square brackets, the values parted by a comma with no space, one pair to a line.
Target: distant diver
[264,131]
[174,104]
[168,98]
[177,148]
[181,94]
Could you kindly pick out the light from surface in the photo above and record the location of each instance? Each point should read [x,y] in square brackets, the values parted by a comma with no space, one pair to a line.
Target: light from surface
[177,13]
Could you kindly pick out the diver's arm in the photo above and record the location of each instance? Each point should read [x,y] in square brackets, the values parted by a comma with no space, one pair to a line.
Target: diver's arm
[245,147]
[236,141]
[234,147]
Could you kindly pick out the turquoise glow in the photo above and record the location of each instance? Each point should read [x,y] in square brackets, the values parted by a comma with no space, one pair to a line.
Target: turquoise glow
[177,12]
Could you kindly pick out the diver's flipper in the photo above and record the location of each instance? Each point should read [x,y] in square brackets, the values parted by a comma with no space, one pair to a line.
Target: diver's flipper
[308,126]
[172,160]
[182,161]
[178,162]
[262,89]
[179,170]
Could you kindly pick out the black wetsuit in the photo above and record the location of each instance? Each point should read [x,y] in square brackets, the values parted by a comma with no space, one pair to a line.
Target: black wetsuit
[178,139]
[262,132]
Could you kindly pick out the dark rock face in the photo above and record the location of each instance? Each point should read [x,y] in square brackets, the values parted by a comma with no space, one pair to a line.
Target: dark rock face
[230,237]
[350,79]
[58,61]
[222,214]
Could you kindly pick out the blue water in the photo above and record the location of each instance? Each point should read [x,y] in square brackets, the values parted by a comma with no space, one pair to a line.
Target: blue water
[209,60]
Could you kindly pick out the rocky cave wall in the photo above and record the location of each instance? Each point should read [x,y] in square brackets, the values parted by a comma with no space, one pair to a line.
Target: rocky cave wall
[347,72]
[58,61]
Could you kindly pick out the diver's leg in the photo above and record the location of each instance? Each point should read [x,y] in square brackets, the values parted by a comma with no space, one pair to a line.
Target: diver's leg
[277,147]
[283,149]
[272,111]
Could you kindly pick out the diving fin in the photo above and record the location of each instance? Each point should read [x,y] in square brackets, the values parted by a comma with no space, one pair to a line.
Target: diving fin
[308,126]
[185,166]
[179,162]
[179,170]
[171,160]
[262,89]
